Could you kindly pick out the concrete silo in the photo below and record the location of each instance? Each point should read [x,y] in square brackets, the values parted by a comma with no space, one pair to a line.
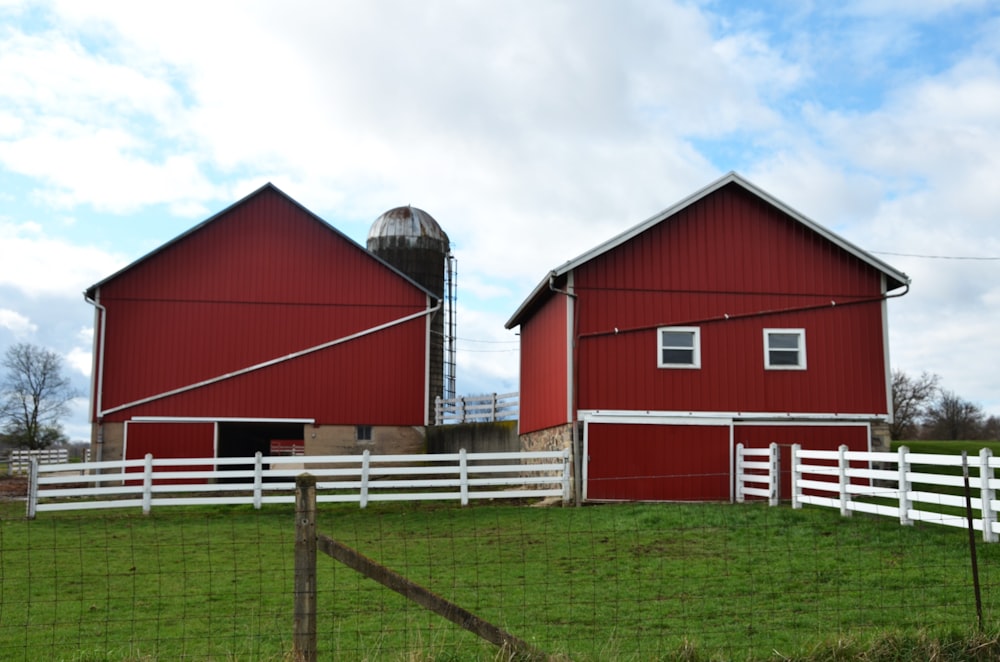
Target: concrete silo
[411,240]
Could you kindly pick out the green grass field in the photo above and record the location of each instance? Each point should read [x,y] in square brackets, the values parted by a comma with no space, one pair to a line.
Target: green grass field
[612,582]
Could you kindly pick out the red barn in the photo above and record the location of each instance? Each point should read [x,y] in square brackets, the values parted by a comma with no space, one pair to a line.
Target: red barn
[261,329]
[727,318]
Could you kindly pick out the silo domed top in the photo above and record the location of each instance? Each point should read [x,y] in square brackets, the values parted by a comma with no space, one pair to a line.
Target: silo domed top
[407,222]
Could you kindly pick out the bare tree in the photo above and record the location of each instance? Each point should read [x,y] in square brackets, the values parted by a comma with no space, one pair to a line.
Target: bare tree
[910,398]
[951,417]
[34,395]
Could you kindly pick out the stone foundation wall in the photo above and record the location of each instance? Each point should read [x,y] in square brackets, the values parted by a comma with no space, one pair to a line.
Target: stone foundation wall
[342,440]
[114,442]
[549,439]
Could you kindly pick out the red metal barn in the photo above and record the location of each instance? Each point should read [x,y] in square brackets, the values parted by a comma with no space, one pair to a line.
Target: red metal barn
[260,329]
[727,318]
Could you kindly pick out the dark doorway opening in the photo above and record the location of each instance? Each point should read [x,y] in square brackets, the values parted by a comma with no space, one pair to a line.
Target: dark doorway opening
[244,439]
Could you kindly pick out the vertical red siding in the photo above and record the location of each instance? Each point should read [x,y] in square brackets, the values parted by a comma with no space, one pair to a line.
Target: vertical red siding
[544,364]
[636,462]
[263,280]
[170,440]
[732,265]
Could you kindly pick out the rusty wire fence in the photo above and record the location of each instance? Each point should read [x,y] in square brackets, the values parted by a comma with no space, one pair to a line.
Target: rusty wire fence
[601,582]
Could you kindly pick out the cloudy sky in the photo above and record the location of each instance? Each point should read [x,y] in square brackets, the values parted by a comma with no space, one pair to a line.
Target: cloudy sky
[531,130]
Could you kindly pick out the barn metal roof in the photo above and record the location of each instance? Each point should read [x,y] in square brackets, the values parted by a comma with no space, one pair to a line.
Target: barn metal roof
[895,278]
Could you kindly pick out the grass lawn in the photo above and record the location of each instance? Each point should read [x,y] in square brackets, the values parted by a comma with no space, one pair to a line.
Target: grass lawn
[611,582]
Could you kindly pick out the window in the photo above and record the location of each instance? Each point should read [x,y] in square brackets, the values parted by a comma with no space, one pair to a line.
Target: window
[680,347]
[363,433]
[785,349]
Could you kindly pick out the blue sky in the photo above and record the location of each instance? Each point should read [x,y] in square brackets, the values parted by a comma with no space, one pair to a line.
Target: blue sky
[531,131]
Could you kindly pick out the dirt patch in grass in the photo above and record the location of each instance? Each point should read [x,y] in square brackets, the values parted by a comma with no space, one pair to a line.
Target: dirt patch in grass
[13,487]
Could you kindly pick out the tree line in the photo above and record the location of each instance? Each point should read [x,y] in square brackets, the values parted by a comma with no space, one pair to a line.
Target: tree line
[924,410]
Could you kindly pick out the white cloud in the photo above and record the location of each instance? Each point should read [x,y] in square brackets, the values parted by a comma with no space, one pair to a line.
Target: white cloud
[81,360]
[16,323]
[40,265]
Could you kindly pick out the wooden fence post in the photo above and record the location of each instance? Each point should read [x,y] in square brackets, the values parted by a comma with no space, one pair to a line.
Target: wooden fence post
[774,471]
[304,632]
[903,466]
[844,481]
[987,494]
[739,473]
[32,488]
[566,476]
[796,476]
[147,484]
[463,476]
[366,459]
[258,480]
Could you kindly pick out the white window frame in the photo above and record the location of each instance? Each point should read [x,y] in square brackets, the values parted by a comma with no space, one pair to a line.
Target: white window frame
[800,349]
[696,347]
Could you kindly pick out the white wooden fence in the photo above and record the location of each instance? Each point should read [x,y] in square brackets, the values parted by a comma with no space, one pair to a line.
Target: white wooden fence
[148,482]
[476,408]
[758,473]
[896,484]
[20,458]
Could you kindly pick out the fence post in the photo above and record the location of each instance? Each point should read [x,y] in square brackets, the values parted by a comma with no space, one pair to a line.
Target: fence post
[463,476]
[494,409]
[438,410]
[739,473]
[258,480]
[987,493]
[842,465]
[32,488]
[365,468]
[796,477]
[460,409]
[774,471]
[147,484]
[304,629]
[566,476]
[904,486]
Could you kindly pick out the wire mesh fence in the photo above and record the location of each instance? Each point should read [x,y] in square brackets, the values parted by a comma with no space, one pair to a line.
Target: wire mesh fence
[621,581]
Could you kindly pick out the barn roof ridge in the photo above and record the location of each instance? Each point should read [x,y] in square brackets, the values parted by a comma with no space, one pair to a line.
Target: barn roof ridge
[896,277]
[268,186]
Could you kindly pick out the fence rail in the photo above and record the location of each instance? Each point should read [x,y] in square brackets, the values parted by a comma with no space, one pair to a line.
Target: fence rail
[476,408]
[900,484]
[144,483]
[20,458]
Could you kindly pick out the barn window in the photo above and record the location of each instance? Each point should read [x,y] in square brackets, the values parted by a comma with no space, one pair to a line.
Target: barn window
[363,432]
[785,349]
[680,347]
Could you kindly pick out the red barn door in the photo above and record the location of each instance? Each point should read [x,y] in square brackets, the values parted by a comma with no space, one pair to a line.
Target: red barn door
[170,440]
[657,462]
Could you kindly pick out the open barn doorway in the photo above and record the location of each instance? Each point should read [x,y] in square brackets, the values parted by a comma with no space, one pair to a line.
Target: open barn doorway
[246,438]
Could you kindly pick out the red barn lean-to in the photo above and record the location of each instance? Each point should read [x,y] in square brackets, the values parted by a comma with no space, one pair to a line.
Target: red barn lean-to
[727,318]
[261,329]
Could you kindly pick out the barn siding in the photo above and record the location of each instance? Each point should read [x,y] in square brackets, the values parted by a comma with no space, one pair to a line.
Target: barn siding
[730,254]
[544,363]
[658,462]
[262,280]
